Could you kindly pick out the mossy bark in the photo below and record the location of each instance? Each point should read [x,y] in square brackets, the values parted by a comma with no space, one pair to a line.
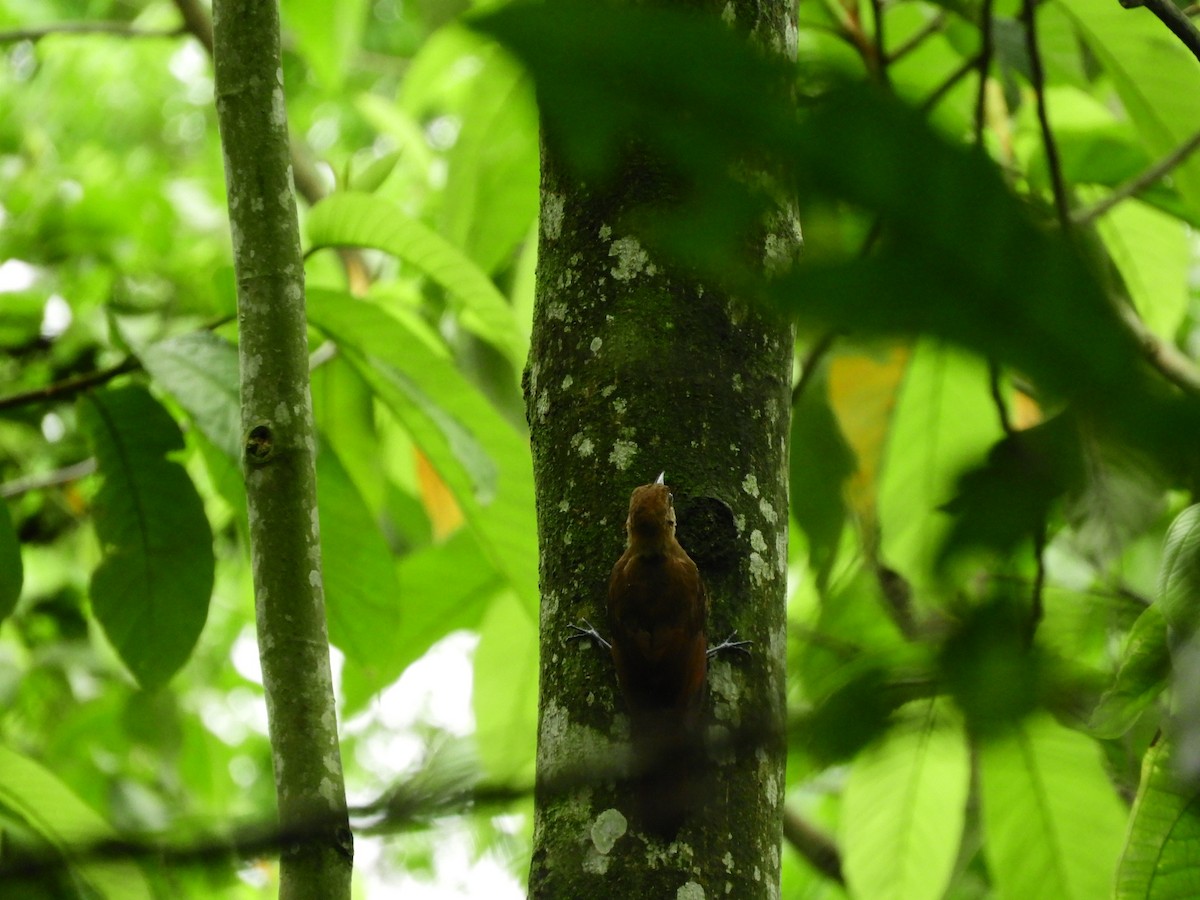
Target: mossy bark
[279,452]
[635,368]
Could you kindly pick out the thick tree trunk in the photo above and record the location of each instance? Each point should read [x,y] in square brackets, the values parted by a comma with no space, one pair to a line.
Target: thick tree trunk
[634,369]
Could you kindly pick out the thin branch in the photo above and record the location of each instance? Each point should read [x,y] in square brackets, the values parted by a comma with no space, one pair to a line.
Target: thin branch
[946,86]
[812,360]
[65,475]
[985,64]
[116,29]
[998,398]
[1163,356]
[71,386]
[814,845]
[1174,18]
[1139,182]
[930,28]
[1038,77]
[880,49]
[1036,603]
[197,22]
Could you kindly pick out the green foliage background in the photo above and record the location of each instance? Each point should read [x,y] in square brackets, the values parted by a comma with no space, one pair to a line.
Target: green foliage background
[976,393]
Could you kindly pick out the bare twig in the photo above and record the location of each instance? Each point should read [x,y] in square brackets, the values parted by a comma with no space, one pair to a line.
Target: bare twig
[810,364]
[880,48]
[1038,77]
[985,65]
[62,389]
[65,475]
[946,86]
[1174,18]
[1166,360]
[115,29]
[1036,603]
[930,28]
[814,845]
[1139,182]
[998,398]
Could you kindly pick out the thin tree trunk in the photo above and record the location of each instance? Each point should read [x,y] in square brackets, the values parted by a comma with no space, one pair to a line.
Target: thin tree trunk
[635,368]
[279,452]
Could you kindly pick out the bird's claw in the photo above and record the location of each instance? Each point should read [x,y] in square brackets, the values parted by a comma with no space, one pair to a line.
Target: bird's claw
[587,632]
[730,643]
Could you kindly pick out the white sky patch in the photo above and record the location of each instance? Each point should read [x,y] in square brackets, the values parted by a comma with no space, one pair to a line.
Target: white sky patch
[53,428]
[56,317]
[244,655]
[16,275]
[436,689]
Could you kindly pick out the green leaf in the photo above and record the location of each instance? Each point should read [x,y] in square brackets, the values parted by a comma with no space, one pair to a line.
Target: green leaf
[1052,820]
[39,799]
[1152,253]
[1178,592]
[930,275]
[364,220]
[482,459]
[344,412]
[903,812]
[440,589]
[11,571]
[1007,499]
[506,691]
[327,34]
[151,590]
[1141,676]
[361,592]
[200,370]
[492,184]
[374,173]
[1156,78]
[1159,859]
[820,463]
[944,420]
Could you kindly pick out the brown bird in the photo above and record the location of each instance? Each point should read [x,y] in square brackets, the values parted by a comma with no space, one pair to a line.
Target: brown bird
[657,612]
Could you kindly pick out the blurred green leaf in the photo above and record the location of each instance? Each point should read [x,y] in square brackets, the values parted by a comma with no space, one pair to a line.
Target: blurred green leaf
[820,463]
[506,691]
[328,33]
[944,421]
[200,370]
[492,184]
[1008,499]
[904,808]
[363,220]
[1141,676]
[1157,79]
[1052,822]
[989,667]
[363,600]
[1161,847]
[1178,594]
[851,634]
[12,572]
[1151,251]
[151,590]
[368,178]
[440,589]
[36,797]
[344,412]
[480,456]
